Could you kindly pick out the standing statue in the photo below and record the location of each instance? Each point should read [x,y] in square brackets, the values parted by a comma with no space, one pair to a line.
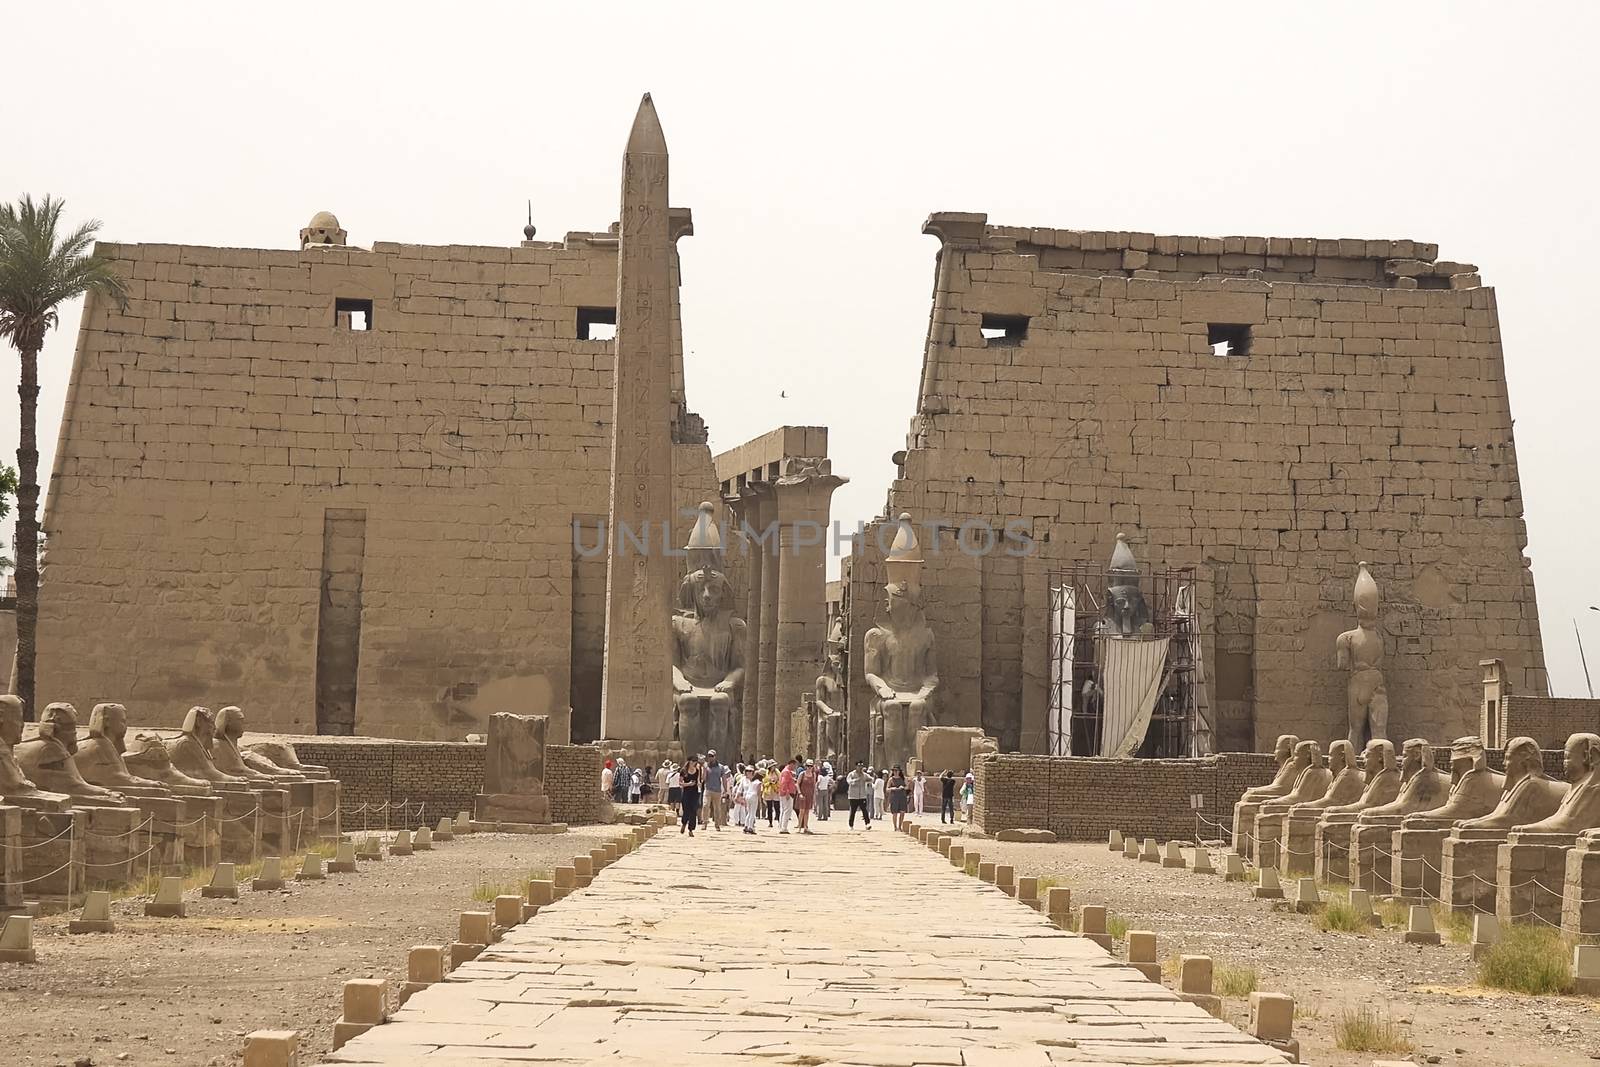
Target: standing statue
[1360,651]
[829,697]
[707,649]
[15,786]
[900,667]
[47,759]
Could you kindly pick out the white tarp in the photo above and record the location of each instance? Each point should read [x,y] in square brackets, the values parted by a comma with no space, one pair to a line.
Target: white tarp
[1132,670]
[1063,628]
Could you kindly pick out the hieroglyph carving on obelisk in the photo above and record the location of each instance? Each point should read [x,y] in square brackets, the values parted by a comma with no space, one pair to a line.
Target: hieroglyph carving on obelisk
[636,698]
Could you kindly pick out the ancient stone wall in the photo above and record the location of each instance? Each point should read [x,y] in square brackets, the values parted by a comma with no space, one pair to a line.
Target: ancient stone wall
[340,529]
[1548,720]
[572,782]
[1084,798]
[1071,387]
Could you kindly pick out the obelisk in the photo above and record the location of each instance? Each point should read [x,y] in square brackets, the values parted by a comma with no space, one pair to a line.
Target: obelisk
[636,694]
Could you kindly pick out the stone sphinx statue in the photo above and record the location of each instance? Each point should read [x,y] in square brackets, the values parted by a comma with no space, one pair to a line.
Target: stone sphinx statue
[1475,792]
[707,649]
[48,760]
[1288,771]
[1580,808]
[229,758]
[273,756]
[1382,783]
[1530,795]
[1127,611]
[152,761]
[191,752]
[1312,783]
[899,664]
[1345,785]
[1360,651]
[100,758]
[15,785]
[1422,786]
[829,697]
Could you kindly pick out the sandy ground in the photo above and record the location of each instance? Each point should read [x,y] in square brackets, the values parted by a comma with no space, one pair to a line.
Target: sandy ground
[184,992]
[1428,989]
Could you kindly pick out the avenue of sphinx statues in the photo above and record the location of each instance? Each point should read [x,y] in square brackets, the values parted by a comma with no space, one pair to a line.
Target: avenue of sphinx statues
[94,814]
[708,643]
[900,667]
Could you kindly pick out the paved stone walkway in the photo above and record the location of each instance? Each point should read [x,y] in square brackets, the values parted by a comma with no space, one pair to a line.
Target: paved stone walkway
[847,948]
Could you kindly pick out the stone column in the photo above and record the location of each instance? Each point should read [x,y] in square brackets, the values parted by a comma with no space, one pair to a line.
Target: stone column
[803,494]
[748,508]
[766,722]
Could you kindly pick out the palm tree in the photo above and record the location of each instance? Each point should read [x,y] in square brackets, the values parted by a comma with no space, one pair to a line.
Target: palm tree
[40,268]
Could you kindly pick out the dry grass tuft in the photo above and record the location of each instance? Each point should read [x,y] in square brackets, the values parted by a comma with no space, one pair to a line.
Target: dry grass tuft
[1365,1029]
[1528,959]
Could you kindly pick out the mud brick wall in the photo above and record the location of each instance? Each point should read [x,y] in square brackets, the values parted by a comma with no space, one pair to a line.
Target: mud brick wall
[1548,720]
[213,423]
[1368,419]
[1083,798]
[572,781]
[443,775]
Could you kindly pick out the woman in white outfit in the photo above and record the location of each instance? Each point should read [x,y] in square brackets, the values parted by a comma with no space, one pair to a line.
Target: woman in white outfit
[918,785]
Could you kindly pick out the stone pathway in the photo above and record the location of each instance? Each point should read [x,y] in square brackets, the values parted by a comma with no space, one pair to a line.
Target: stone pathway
[847,948]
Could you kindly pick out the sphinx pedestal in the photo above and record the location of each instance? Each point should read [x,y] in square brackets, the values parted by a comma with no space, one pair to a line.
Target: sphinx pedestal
[1244,828]
[164,833]
[1468,860]
[1269,833]
[1371,848]
[1298,851]
[313,811]
[202,831]
[1530,871]
[1419,859]
[1580,894]
[116,844]
[529,809]
[255,822]
[53,844]
[11,901]
[1332,846]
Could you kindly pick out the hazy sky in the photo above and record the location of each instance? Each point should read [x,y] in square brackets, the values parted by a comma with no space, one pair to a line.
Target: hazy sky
[811,140]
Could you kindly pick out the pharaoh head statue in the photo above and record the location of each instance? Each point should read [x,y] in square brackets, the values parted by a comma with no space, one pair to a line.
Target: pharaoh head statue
[230,722]
[1582,756]
[1126,609]
[10,719]
[60,724]
[1308,754]
[902,603]
[1341,757]
[705,540]
[833,647]
[1416,756]
[1378,757]
[1366,595]
[109,721]
[1522,759]
[704,592]
[1283,748]
[200,724]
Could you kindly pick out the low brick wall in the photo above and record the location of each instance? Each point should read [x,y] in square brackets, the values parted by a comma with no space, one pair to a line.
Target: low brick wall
[446,776]
[1084,798]
[572,781]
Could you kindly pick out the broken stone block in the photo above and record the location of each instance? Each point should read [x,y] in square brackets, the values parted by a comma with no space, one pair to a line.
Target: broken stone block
[1031,836]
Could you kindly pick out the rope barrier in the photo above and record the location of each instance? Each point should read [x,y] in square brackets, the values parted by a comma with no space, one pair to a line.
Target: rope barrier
[48,874]
[48,840]
[126,833]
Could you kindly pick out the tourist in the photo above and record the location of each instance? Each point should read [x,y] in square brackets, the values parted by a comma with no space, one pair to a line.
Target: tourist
[661,782]
[823,803]
[879,791]
[636,787]
[621,781]
[606,776]
[675,788]
[736,796]
[807,796]
[716,796]
[947,796]
[690,781]
[898,789]
[769,793]
[919,786]
[969,789]
[649,783]
[750,797]
[787,790]
[858,789]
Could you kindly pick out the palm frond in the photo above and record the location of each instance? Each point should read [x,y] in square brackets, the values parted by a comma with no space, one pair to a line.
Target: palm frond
[40,268]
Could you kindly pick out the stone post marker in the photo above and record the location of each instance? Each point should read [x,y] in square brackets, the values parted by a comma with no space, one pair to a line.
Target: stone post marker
[635,700]
[272,1048]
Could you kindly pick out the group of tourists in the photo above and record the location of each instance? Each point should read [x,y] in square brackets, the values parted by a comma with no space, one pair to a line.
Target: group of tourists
[706,791]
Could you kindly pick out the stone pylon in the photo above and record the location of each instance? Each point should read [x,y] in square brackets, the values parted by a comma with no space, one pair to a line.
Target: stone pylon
[636,694]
